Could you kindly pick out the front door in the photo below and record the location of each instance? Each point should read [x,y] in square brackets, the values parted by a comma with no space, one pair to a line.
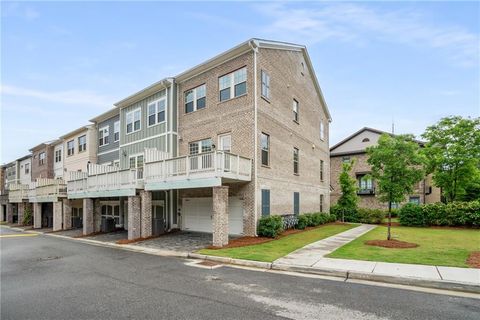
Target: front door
[159,217]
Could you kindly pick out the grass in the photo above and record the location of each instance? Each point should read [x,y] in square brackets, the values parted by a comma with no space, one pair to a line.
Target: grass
[440,247]
[272,250]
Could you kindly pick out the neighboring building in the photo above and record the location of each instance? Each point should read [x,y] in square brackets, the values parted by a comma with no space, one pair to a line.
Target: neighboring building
[108,137]
[42,160]
[354,147]
[3,195]
[58,169]
[25,170]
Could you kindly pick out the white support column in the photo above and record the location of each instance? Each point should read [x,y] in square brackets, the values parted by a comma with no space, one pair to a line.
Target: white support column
[37,215]
[220,216]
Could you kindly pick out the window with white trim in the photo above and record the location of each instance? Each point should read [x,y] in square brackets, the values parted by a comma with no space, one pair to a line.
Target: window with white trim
[233,84]
[41,158]
[58,155]
[70,147]
[265,146]
[265,84]
[116,163]
[103,136]
[322,130]
[156,112]
[27,168]
[116,131]
[295,110]
[201,146]
[82,143]
[136,161]
[195,99]
[133,120]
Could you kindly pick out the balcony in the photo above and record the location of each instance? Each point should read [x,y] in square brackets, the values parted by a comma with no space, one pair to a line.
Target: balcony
[17,192]
[366,192]
[47,190]
[104,181]
[195,171]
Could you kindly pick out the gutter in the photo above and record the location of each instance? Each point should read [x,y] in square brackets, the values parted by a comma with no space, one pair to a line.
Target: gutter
[254,47]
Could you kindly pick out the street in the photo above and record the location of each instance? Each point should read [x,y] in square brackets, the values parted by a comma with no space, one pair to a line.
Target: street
[49,278]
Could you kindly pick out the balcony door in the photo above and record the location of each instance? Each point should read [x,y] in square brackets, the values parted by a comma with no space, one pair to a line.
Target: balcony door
[225,144]
[200,155]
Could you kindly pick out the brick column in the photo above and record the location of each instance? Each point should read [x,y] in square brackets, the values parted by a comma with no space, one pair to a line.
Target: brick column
[21,211]
[146,197]
[67,214]
[249,212]
[37,215]
[57,215]
[97,215]
[2,213]
[88,212]
[10,212]
[134,217]
[220,216]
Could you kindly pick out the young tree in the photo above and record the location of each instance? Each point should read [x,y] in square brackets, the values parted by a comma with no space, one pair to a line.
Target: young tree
[397,166]
[453,154]
[348,200]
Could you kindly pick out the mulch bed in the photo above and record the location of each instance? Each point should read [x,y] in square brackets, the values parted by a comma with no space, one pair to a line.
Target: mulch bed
[473,260]
[396,244]
[248,241]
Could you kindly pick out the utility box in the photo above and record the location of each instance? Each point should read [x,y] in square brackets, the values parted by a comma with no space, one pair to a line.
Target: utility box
[108,224]
[77,222]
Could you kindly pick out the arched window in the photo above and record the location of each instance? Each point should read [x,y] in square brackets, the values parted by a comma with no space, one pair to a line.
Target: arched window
[365,140]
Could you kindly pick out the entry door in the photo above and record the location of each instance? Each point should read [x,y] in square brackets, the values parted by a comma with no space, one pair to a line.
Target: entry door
[225,144]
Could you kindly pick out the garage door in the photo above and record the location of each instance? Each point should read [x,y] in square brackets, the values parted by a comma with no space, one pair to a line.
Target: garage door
[197,215]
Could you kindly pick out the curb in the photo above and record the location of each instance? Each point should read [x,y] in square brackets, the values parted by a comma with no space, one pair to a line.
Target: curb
[348,275]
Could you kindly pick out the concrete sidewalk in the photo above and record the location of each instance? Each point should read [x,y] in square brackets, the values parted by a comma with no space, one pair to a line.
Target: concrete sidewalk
[313,255]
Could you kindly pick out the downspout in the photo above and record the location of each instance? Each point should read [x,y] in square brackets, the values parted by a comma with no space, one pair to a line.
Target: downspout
[254,47]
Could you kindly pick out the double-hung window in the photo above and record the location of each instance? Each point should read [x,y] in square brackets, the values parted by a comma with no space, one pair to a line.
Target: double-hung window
[296,203]
[133,120]
[103,136]
[322,165]
[233,84]
[295,110]
[156,112]
[321,202]
[116,131]
[41,158]
[365,183]
[195,99]
[58,155]
[265,202]
[201,146]
[265,145]
[136,162]
[70,147]
[265,85]
[322,130]
[27,168]
[82,143]
[295,160]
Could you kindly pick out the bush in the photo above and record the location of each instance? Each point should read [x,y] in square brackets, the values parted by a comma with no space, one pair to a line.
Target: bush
[411,214]
[332,217]
[370,216]
[27,216]
[348,214]
[303,222]
[270,226]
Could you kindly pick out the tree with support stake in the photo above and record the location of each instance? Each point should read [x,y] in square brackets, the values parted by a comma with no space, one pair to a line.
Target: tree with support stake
[397,166]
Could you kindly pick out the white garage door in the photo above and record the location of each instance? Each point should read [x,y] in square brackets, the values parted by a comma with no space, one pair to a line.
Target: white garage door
[197,214]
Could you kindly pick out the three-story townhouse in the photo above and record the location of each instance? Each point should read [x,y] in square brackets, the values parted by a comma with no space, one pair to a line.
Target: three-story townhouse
[58,169]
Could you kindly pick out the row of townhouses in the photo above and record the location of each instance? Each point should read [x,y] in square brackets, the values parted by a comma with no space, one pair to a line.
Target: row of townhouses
[240,136]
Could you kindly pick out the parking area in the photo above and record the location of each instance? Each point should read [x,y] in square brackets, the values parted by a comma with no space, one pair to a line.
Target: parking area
[181,241]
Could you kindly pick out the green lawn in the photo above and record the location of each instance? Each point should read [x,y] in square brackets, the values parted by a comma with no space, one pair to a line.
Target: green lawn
[441,247]
[270,251]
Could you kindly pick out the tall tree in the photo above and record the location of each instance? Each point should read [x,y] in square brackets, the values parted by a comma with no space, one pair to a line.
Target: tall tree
[397,166]
[348,185]
[453,154]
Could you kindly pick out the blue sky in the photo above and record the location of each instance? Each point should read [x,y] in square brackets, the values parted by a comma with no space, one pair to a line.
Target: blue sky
[62,63]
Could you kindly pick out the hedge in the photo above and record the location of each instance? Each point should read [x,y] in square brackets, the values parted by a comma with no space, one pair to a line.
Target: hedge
[361,215]
[439,214]
[272,226]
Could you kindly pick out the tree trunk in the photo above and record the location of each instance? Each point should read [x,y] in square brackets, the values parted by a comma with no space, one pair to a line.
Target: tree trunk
[389,236]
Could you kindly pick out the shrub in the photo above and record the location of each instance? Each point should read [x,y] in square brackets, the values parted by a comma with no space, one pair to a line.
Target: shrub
[371,216]
[27,216]
[270,226]
[303,222]
[411,214]
[332,217]
[348,214]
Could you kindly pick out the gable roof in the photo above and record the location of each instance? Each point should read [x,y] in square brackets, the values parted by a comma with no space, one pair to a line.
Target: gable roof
[250,45]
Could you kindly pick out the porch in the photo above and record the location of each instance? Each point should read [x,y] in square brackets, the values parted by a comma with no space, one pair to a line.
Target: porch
[18,192]
[47,190]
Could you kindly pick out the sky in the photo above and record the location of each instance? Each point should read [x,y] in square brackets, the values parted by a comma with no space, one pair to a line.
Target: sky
[62,63]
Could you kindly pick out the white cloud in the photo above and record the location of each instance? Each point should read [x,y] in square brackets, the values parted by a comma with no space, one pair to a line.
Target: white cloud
[358,23]
[77,97]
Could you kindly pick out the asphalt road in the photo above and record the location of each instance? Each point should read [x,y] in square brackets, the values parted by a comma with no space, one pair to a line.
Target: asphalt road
[50,278]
